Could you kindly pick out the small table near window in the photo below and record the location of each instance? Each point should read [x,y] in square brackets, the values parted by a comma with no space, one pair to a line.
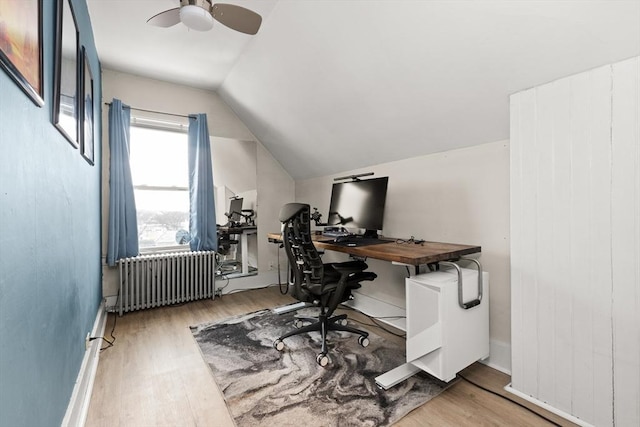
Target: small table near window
[242,231]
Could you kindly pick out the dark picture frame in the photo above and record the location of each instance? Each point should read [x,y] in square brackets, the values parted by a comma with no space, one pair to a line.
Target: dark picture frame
[65,112]
[87,146]
[21,45]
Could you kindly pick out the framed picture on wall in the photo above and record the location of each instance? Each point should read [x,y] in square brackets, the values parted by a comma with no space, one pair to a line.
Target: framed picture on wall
[67,72]
[87,146]
[21,45]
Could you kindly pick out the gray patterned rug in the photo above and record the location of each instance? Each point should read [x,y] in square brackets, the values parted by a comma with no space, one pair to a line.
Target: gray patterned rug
[264,387]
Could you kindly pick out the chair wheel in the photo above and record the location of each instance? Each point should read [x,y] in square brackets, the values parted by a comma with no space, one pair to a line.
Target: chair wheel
[278,345]
[298,323]
[363,341]
[322,359]
[343,322]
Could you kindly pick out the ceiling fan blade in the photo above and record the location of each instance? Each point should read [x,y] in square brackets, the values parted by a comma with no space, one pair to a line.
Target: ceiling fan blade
[237,18]
[166,19]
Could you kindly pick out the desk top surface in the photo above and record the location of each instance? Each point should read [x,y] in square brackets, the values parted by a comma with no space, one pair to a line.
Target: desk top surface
[406,253]
[237,230]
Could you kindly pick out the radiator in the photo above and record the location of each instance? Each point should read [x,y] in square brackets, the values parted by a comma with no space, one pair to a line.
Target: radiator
[148,281]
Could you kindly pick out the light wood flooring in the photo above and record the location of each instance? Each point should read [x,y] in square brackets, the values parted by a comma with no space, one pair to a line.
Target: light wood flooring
[154,374]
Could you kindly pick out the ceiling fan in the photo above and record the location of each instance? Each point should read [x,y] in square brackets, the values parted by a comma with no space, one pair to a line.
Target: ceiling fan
[199,15]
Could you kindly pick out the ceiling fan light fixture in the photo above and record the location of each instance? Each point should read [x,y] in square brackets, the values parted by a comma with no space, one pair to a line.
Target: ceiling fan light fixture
[196,18]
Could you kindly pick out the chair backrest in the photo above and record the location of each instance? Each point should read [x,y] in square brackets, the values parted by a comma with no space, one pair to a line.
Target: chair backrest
[302,254]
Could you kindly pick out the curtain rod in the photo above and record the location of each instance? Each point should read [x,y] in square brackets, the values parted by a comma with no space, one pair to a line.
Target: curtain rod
[153,111]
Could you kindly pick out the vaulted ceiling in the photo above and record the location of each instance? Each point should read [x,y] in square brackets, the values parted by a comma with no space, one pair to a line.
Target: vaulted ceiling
[329,86]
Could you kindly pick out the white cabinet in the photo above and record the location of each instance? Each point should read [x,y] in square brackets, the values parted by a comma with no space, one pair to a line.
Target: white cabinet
[442,337]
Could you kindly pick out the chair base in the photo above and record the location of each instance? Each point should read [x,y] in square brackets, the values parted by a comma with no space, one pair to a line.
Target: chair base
[324,324]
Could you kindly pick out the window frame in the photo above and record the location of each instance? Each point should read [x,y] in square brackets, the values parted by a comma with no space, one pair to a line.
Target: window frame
[153,123]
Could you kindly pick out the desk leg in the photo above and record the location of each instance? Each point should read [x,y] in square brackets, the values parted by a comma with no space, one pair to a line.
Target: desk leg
[278,255]
[244,254]
[396,375]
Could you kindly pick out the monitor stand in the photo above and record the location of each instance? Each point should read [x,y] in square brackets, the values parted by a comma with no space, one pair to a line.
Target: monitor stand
[370,234]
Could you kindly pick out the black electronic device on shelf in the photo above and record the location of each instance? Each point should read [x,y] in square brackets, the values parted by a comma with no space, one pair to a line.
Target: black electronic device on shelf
[235,209]
[247,215]
[316,216]
[238,217]
[235,212]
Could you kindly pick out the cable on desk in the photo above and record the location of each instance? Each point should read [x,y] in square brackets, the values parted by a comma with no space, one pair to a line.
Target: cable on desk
[410,240]
[510,400]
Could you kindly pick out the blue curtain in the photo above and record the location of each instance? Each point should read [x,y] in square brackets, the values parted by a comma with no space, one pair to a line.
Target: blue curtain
[202,214]
[123,225]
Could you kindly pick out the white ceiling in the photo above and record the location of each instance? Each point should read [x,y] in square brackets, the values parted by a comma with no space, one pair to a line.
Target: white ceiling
[330,86]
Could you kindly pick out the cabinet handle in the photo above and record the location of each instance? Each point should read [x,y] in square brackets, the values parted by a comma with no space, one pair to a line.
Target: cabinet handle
[474,302]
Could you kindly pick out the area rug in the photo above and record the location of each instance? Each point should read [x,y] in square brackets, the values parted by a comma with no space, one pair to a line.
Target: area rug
[264,387]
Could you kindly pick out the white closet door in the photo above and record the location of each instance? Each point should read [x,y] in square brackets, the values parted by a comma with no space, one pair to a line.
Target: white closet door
[575,257]
[625,241]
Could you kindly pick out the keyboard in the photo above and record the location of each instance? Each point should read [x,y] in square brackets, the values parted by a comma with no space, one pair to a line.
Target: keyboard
[357,240]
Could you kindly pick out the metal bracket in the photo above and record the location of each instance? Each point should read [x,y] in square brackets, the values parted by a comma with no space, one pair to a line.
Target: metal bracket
[472,303]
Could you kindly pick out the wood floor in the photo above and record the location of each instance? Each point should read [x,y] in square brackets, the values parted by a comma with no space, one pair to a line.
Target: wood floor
[154,374]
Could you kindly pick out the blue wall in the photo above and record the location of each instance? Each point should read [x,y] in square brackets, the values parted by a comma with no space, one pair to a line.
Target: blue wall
[50,273]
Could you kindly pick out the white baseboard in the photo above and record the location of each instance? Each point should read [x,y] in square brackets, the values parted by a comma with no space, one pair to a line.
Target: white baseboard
[500,356]
[78,407]
[546,406]
[262,279]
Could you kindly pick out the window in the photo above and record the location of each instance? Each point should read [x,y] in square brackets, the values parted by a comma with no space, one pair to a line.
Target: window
[160,175]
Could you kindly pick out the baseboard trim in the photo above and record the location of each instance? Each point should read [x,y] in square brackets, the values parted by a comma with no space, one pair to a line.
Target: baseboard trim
[78,407]
[500,356]
[245,283]
[546,406]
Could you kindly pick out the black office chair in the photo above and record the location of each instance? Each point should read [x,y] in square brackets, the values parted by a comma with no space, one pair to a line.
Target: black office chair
[325,285]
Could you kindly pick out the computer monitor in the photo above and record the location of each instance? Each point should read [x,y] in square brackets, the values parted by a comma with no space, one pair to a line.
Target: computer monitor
[235,209]
[359,204]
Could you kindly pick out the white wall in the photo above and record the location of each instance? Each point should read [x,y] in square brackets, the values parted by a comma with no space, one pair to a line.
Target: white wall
[575,253]
[235,165]
[459,196]
[274,185]
[275,188]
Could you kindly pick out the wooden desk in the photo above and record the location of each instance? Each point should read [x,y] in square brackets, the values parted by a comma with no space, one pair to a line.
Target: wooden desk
[237,230]
[404,253]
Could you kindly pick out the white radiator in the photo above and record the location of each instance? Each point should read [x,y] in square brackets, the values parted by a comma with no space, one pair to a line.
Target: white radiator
[148,281]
